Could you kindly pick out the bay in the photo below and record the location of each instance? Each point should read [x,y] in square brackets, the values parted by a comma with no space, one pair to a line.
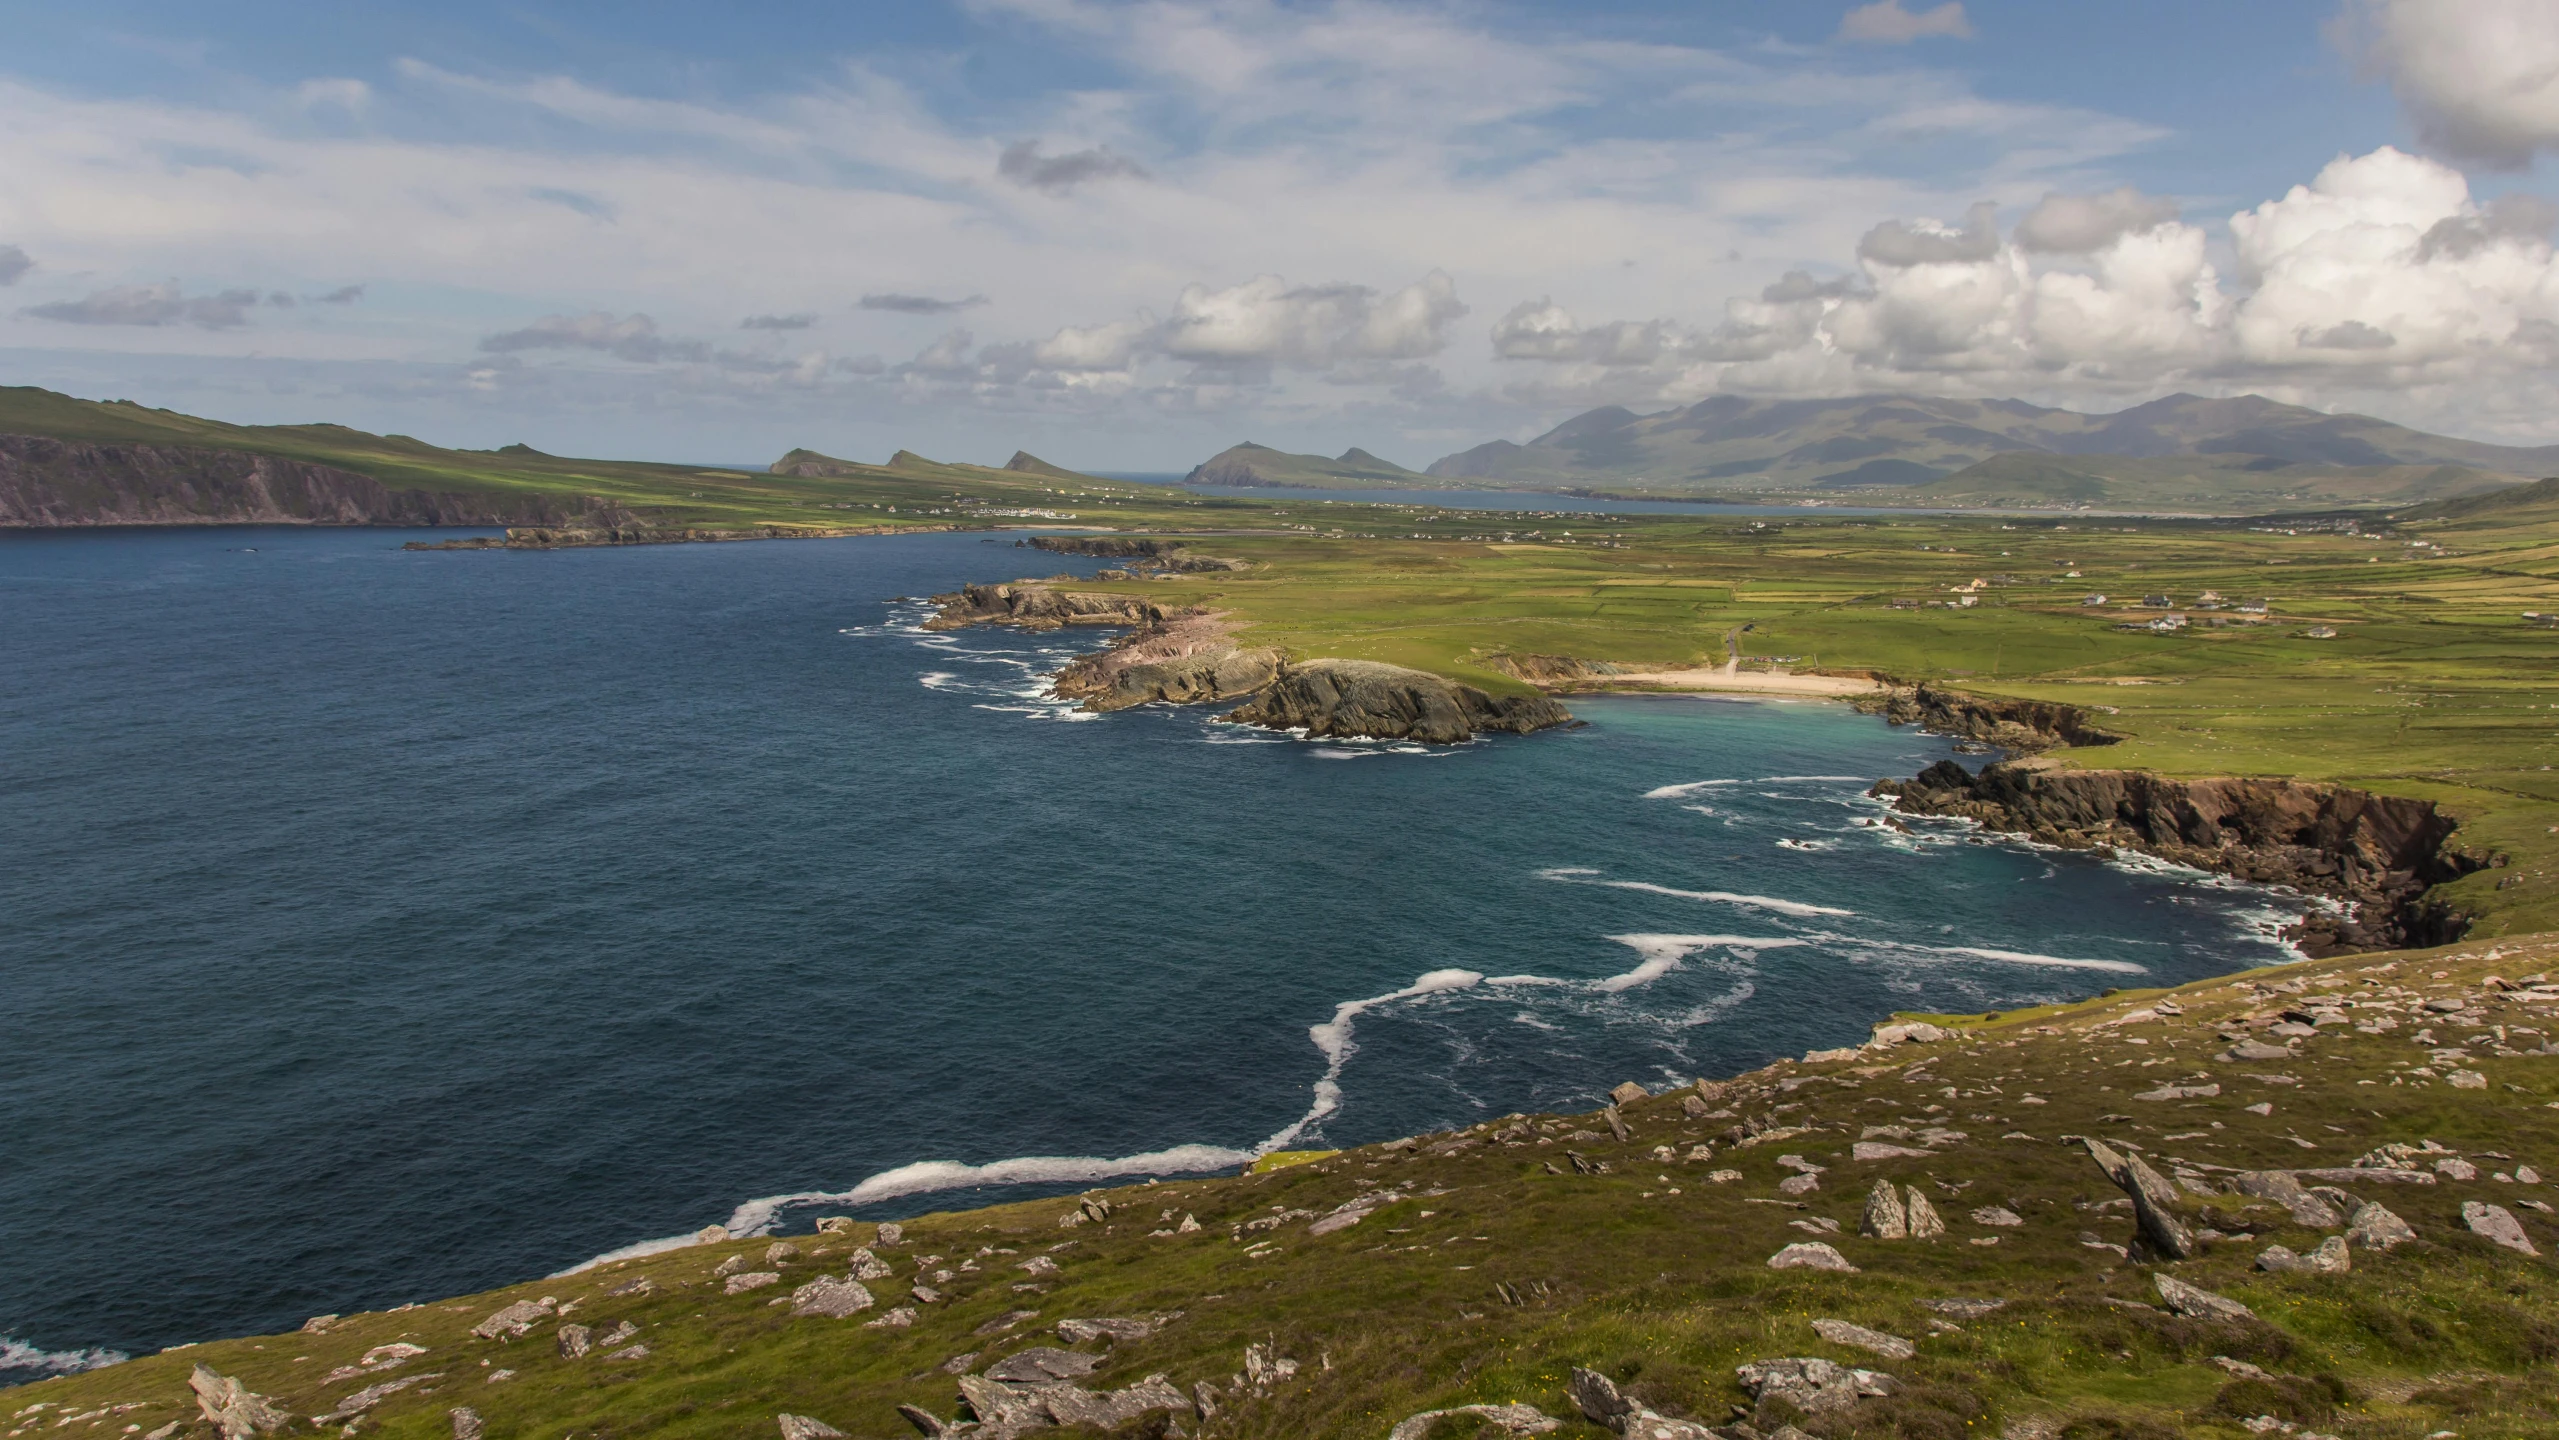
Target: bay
[385,925]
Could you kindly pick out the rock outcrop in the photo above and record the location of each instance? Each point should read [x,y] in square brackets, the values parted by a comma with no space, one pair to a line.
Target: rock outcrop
[1035,606]
[1187,659]
[2018,726]
[49,484]
[2379,853]
[1389,702]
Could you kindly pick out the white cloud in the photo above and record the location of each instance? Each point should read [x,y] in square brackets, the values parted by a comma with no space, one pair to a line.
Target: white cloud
[1886,23]
[1267,320]
[2381,274]
[634,338]
[2080,224]
[2479,77]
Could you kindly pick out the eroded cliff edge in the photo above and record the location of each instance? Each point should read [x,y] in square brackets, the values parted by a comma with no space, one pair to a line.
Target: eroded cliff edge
[1188,656]
[47,483]
[2377,854]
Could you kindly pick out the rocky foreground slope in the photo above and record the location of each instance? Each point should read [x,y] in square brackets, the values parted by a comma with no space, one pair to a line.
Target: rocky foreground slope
[2313,1200]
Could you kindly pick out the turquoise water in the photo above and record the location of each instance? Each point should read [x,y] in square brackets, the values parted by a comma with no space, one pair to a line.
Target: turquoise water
[386,925]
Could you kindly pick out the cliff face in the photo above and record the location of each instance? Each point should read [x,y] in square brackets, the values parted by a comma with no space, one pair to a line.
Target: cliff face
[61,483]
[1367,698]
[2019,726]
[2378,853]
[1185,660]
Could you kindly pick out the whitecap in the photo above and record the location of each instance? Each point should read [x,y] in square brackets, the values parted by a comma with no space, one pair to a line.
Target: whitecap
[1663,954]
[1793,844]
[19,1355]
[1723,897]
[1674,792]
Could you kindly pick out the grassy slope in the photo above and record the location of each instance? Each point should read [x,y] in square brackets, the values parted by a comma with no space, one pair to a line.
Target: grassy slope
[1652,1272]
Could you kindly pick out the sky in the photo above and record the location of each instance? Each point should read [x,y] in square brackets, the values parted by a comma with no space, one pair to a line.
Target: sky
[1126,236]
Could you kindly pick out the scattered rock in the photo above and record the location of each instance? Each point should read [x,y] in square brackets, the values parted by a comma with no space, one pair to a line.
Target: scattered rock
[710,1235]
[1038,1266]
[2160,1230]
[627,1352]
[1842,1332]
[2329,1259]
[835,1224]
[897,1319]
[642,1285]
[1693,1107]
[2467,1080]
[751,1280]
[1811,1384]
[318,1324]
[513,1321]
[2453,1167]
[1810,1255]
[891,1233]
[802,1427]
[575,1340]
[2181,1092]
[1616,1124]
[2375,1228]
[621,1331]
[2496,1223]
[1042,1363]
[835,1299]
[781,1252]
[1885,1217]
[729,1267]
[1076,1332]
[2280,1186]
[1511,1419]
[232,1408]
[2199,1304]
[2256,1050]
[1799,1184]
[1865,1150]
[925,1421]
[368,1397]
[1963,1307]
[467,1424]
[1998,1216]
[1925,1222]
[1628,1094]
[863,1265]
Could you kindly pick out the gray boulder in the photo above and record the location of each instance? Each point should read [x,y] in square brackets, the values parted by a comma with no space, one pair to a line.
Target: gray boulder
[1811,1384]
[1842,1332]
[1925,1222]
[833,1298]
[802,1427]
[1041,1364]
[575,1340]
[2497,1224]
[513,1321]
[1810,1255]
[2161,1233]
[2280,1186]
[467,1424]
[1510,1419]
[2197,1303]
[1885,1217]
[2376,1228]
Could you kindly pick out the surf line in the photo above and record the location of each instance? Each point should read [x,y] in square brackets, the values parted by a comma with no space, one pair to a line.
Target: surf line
[1660,954]
[1573,875]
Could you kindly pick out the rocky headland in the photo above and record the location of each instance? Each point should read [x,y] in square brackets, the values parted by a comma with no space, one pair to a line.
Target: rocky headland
[2378,854]
[1164,556]
[1189,656]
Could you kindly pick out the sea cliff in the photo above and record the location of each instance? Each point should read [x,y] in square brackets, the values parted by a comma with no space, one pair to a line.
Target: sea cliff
[2377,854]
[47,483]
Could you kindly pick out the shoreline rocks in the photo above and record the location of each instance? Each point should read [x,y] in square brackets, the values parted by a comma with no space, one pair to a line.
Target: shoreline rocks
[2379,853]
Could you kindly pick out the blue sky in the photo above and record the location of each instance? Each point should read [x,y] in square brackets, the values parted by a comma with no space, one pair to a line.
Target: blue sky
[1125,236]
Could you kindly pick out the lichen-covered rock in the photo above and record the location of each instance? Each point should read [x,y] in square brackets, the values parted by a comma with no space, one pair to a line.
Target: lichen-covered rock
[751,1280]
[2197,1303]
[513,1321]
[1510,1419]
[232,1408]
[2376,1228]
[1925,1222]
[1843,1332]
[1810,1255]
[831,1297]
[802,1427]
[1885,1218]
[2497,1224]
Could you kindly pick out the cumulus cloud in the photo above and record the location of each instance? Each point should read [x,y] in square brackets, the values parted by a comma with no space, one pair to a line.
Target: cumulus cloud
[162,304]
[777,322]
[343,295]
[1023,164]
[634,338]
[1267,320]
[2382,272]
[1927,242]
[2479,77]
[2080,224]
[1886,23]
[918,304]
[13,264]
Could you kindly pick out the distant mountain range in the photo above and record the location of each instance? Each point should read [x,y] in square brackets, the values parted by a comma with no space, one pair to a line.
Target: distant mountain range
[2183,452]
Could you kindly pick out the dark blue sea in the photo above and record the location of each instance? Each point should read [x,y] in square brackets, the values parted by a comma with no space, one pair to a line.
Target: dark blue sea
[378,925]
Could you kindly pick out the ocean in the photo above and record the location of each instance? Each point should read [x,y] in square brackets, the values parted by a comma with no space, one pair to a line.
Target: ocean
[384,925]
